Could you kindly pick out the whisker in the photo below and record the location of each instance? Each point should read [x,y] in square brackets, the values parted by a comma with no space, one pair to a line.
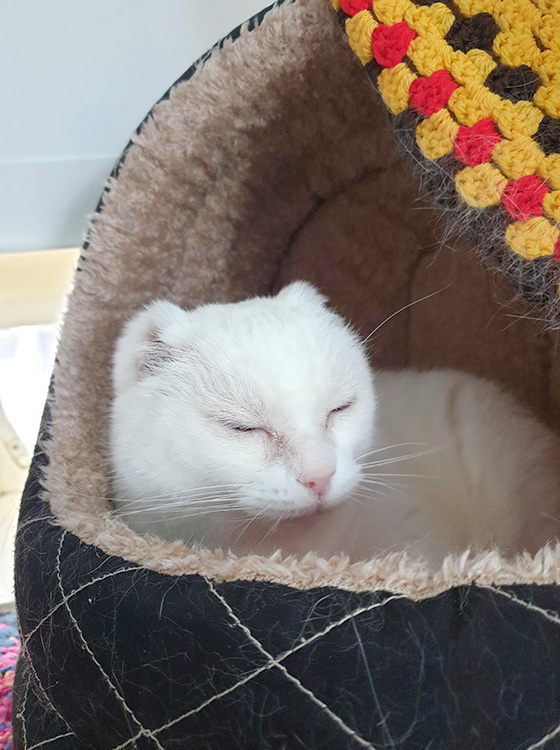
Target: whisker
[377,483]
[199,513]
[430,476]
[186,509]
[402,309]
[388,447]
[394,459]
[389,487]
[182,518]
[273,528]
[360,497]
[179,501]
[244,529]
[168,496]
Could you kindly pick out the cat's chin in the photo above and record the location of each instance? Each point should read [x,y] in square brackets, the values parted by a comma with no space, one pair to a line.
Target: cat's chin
[304,517]
[308,511]
[292,514]
[312,529]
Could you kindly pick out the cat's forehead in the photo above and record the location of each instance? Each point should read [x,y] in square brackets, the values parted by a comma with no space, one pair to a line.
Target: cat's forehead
[266,332]
[286,360]
[257,318]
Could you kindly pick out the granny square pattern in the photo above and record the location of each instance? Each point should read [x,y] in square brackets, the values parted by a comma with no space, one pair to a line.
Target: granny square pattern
[474,86]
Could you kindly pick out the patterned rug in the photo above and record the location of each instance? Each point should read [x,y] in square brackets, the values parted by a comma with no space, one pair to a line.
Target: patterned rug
[9,650]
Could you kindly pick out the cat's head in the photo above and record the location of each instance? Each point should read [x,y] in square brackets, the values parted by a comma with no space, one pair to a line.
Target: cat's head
[271,396]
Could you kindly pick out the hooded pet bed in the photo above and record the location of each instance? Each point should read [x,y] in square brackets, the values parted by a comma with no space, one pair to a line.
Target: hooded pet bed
[273,159]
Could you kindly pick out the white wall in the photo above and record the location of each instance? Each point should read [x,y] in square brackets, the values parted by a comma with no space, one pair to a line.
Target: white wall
[75,80]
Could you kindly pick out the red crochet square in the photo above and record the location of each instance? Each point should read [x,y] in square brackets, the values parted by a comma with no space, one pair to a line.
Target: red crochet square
[429,95]
[390,43]
[474,145]
[351,7]
[522,198]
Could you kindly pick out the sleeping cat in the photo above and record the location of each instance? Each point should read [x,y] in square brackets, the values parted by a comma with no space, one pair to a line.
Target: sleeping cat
[259,425]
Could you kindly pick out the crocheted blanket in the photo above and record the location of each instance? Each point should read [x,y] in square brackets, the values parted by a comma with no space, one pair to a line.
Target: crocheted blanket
[474,86]
[9,650]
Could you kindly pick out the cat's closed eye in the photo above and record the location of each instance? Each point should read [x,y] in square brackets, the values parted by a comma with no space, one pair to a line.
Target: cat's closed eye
[343,407]
[243,428]
[234,427]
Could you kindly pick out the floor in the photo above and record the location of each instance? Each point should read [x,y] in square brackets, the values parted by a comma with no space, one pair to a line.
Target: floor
[9,505]
[26,358]
[34,288]
[14,465]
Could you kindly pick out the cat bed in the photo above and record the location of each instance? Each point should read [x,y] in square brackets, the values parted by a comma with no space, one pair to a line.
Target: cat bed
[272,159]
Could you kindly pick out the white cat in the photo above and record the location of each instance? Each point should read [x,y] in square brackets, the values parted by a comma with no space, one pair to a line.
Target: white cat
[259,425]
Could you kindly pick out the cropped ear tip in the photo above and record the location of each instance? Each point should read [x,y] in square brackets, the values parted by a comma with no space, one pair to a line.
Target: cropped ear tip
[142,346]
[302,291]
[161,309]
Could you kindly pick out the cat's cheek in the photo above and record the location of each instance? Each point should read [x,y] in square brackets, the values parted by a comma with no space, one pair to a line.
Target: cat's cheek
[344,481]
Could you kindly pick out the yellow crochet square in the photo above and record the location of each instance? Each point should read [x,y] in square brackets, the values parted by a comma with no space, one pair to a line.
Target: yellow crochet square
[548,98]
[518,15]
[472,7]
[430,20]
[548,6]
[519,157]
[394,84]
[549,30]
[471,104]
[390,12]
[480,186]
[359,29]
[516,118]
[551,205]
[516,48]
[435,135]
[430,53]
[471,67]
[533,238]
[549,65]
[549,170]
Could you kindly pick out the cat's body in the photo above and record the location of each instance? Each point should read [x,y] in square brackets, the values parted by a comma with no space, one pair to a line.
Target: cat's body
[258,426]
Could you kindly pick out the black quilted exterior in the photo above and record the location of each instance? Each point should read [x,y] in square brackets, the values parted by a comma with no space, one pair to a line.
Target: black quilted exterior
[118,657]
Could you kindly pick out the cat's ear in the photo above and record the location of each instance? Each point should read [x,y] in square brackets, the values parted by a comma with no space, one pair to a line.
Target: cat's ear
[149,340]
[301,293]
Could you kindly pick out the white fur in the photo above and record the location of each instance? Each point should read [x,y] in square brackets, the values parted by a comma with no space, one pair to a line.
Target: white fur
[481,471]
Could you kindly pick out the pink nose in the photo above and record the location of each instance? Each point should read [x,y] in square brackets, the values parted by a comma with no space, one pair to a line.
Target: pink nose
[318,483]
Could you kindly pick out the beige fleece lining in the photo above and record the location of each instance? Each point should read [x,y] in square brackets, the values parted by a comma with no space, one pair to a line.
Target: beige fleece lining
[275,162]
